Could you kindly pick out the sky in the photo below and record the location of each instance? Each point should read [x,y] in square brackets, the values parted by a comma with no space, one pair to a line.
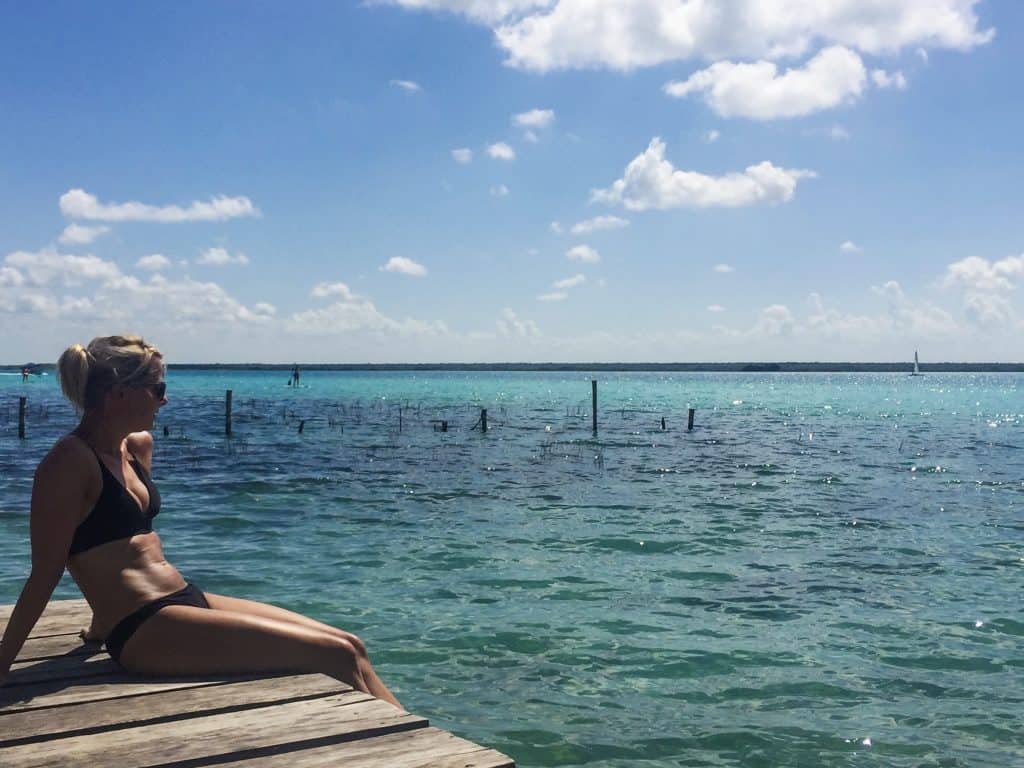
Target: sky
[514,180]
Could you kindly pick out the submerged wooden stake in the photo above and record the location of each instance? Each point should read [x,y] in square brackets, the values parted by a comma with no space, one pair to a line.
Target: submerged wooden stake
[483,419]
[593,404]
[21,416]
[227,412]
[689,419]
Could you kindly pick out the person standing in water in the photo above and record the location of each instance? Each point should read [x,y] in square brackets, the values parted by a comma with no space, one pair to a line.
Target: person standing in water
[92,510]
[295,374]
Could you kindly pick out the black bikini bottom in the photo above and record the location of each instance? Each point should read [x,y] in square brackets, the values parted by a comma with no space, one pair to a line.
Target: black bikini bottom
[127,626]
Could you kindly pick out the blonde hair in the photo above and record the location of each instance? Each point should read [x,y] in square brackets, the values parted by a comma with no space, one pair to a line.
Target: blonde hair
[86,374]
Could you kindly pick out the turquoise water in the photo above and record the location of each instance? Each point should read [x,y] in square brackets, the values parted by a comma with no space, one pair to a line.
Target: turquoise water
[826,571]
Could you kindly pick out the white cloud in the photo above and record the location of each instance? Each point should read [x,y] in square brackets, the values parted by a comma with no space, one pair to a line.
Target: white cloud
[553,296]
[11,278]
[583,253]
[712,136]
[556,227]
[716,308]
[977,274]
[531,137]
[404,266]
[510,324]
[884,79]
[570,282]
[154,262]
[544,35]
[838,133]
[849,246]
[775,320]
[462,156]
[835,76]
[355,314]
[915,319]
[77,234]
[986,286]
[263,308]
[79,204]
[113,297]
[599,223]
[922,54]
[221,257]
[724,269]
[501,151]
[535,118]
[47,266]
[650,181]
[323,290]
[499,190]
[407,85]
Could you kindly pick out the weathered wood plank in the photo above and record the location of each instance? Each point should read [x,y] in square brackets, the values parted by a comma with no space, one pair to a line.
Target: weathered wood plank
[60,669]
[36,648]
[283,728]
[74,608]
[44,695]
[181,704]
[118,684]
[412,749]
[56,624]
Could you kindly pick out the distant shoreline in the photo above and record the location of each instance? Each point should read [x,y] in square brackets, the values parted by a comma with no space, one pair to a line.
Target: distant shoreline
[738,367]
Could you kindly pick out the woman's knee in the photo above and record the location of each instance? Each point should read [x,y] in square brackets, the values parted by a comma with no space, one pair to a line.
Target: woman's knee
[358,646]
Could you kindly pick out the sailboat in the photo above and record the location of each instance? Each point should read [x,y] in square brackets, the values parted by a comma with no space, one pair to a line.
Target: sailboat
[917,369]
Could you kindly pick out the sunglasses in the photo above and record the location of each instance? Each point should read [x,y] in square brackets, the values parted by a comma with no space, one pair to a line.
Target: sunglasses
[159,389]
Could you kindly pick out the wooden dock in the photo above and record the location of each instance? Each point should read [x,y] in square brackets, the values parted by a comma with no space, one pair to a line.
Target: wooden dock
[67,704]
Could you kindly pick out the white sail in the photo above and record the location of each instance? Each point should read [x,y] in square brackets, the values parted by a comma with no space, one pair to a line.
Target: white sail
[917,369]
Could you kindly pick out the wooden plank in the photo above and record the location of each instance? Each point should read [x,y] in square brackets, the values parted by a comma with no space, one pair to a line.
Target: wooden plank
[203,740]
[36,648]
[44,695]
[61,624]
[55,671]
[412,749]
[135,711]
[54,608]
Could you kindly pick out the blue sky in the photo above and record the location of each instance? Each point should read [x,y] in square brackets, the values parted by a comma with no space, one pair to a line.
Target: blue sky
[803,180]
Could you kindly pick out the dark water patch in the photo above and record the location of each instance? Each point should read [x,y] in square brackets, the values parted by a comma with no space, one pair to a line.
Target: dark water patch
[711,577]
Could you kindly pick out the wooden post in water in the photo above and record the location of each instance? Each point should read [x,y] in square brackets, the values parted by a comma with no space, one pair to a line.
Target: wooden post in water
[227,413]
[689,420]
[21,416]
[483,419]
[593,404]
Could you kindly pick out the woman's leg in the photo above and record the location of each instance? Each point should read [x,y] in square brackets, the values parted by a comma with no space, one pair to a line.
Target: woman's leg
[185,640]
[253,608]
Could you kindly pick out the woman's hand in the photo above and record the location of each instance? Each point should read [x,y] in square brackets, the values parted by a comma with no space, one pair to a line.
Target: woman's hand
[90,635]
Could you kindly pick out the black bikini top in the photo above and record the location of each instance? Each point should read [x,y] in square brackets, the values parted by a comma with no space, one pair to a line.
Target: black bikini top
[116,514]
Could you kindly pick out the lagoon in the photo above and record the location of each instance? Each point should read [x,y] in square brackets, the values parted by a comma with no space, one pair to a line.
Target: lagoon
[825,571]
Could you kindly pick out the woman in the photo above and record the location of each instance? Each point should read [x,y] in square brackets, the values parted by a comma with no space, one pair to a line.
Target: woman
[93,503]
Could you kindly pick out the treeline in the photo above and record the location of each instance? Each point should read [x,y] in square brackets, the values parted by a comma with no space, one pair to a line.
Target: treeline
[789,367]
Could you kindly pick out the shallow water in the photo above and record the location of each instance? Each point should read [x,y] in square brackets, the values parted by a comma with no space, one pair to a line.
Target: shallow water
[826,571]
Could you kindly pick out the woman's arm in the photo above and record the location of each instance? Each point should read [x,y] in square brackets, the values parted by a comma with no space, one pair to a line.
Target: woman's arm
[61,495]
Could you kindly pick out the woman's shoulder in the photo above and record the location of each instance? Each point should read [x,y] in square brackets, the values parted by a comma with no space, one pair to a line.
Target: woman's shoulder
[70,455]
[140,445]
